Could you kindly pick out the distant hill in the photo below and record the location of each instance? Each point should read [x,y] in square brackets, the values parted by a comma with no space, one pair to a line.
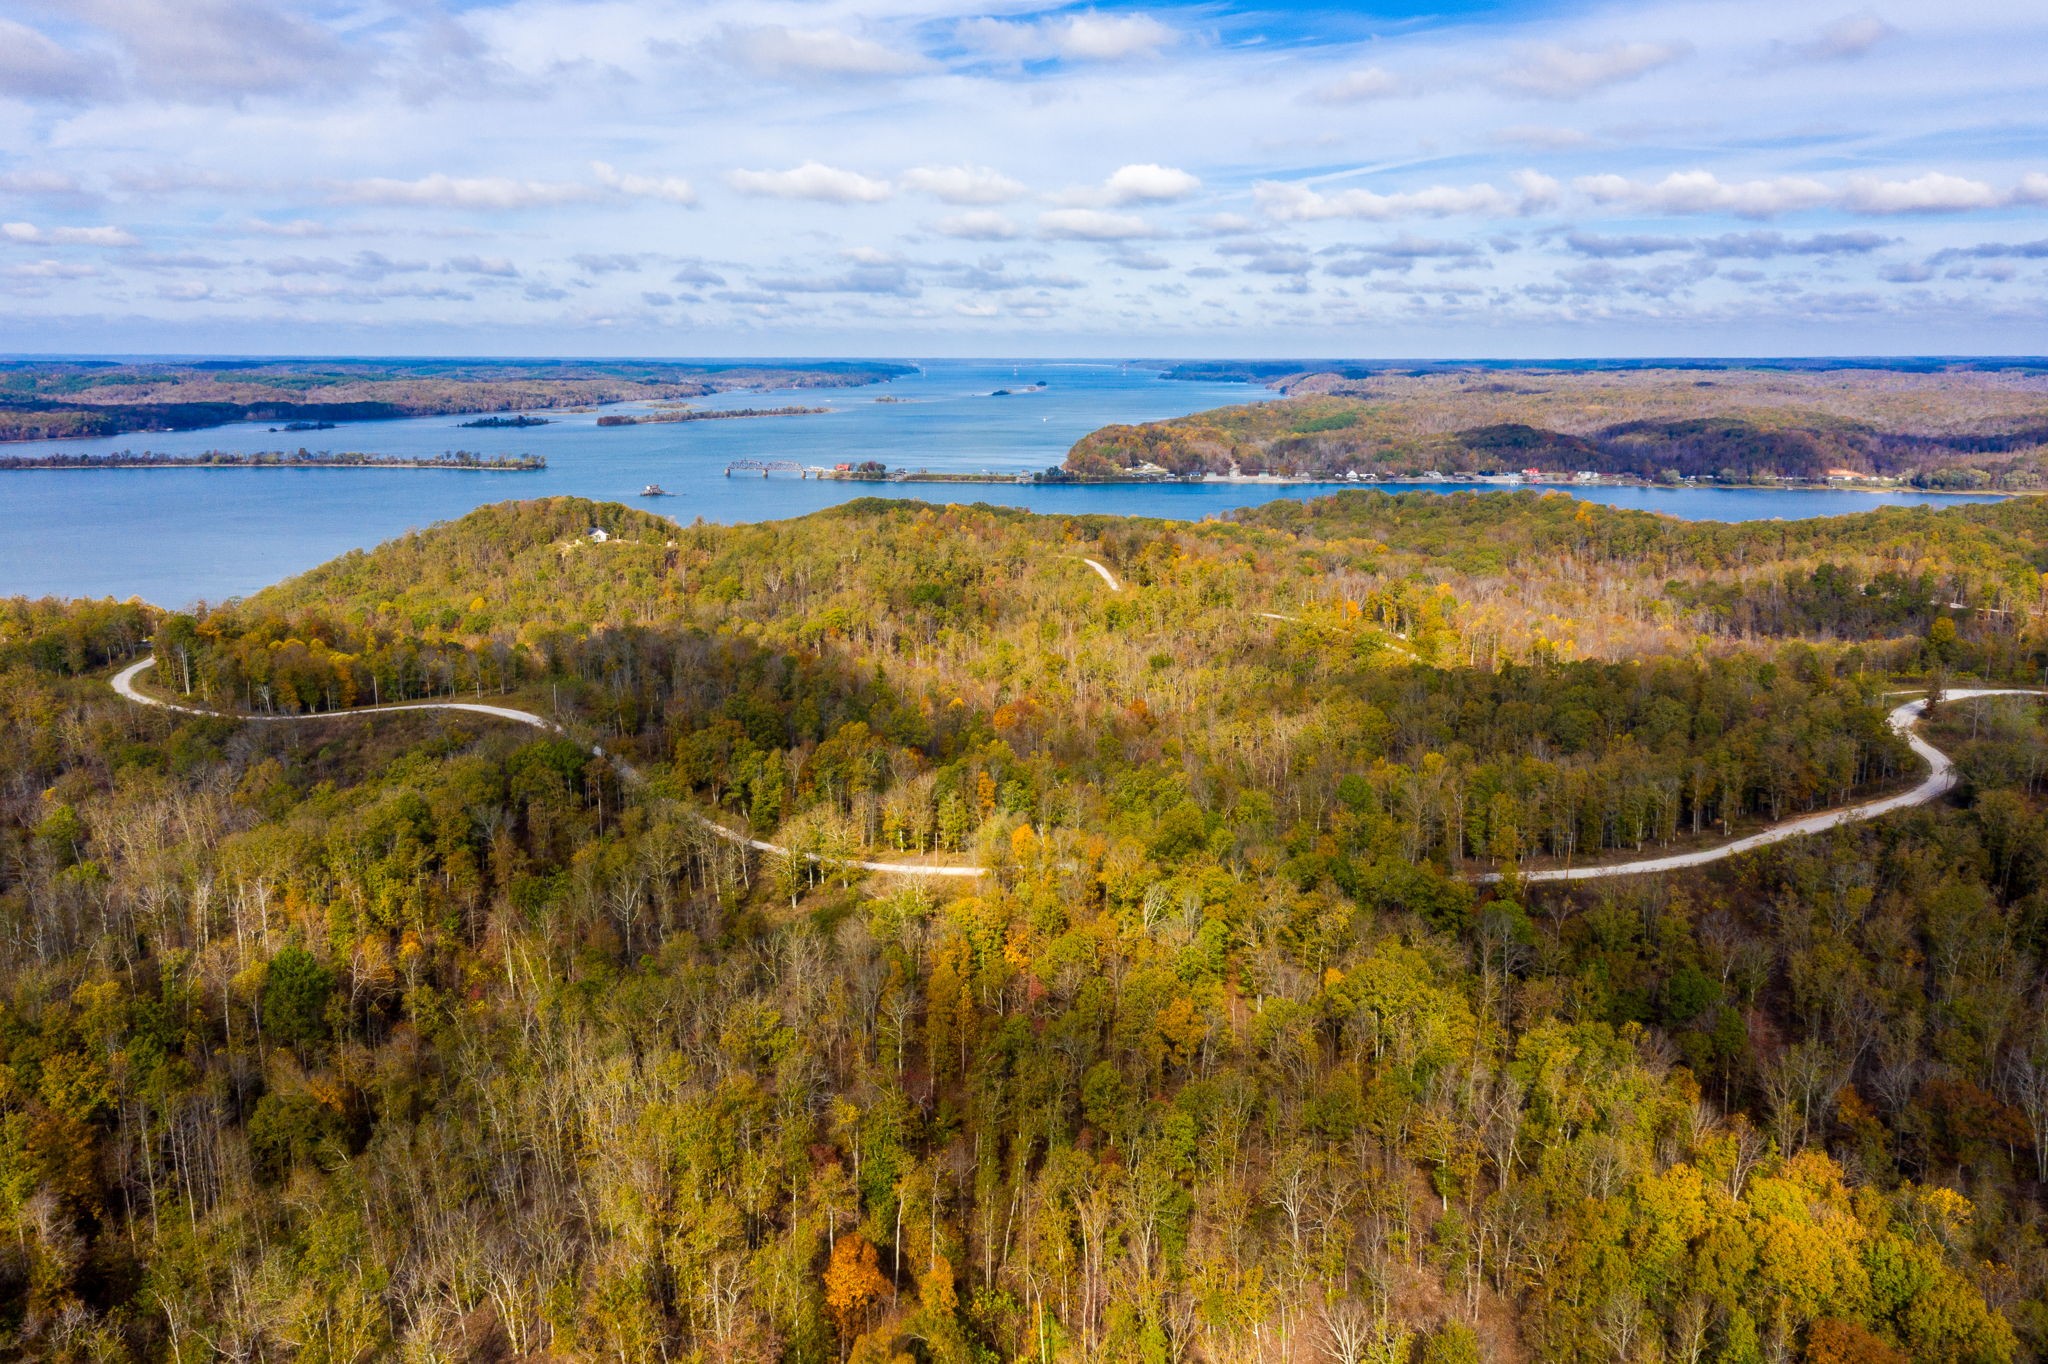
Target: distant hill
[1957,428]
[41,400]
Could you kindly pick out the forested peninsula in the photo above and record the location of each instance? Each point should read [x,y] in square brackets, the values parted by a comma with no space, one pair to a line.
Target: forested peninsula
[277,459]
[1964,428]
[430,1035]
[41,400]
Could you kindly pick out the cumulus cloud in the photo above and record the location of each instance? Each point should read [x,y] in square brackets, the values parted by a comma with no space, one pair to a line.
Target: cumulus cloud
[1701,191]
[814,181]
[462,192]
[963,185]
[366,266]
[892,280]
[1850,36]
[666,188]
[607,262]
[983,225]
[1268,258]
[1290,202]
[493,267]
[1148,183]
[1730,245]
[1554,71]
[1358,87]
[2034,250]
[1930,193]
[773,50]
[696,274]
[1093,225]
[1075,37]
[1764,245]
[1131,258]
[1401,254]
[51,269]
[67,236]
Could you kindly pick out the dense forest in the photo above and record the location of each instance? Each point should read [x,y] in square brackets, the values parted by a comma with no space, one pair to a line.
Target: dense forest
[426,1036]
[42,400]
[1969,429]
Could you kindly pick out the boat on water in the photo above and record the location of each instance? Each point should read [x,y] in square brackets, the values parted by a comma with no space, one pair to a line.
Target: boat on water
[655,490]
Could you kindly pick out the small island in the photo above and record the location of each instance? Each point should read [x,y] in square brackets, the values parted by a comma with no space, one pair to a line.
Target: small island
[518,423]
[691,414]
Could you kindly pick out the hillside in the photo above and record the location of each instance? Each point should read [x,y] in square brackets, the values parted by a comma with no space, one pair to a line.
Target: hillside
[428,1036]
[1955,429]
[45,399]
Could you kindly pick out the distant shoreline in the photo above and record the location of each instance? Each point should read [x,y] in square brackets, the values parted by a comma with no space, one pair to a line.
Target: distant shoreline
[60,464]
[1471,484]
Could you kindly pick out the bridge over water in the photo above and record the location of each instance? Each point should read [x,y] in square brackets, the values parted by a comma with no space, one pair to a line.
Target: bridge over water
[765,467]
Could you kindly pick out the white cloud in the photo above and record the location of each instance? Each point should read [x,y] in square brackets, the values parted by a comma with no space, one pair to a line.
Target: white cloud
[1357,87]
[1930,193]
[67,236]
[862,279]
[964,184]
[772,50]
[188,50]
[52,269]
[33,67]
[1553,71]
[1148,183]
[1093,225]
[1850,36]
[1700,191]
[1077,37]
[495,267]
[812,180]
[468,192]
[43,184]
[1288,202]
[982,225]
[667,188]
[1110,38]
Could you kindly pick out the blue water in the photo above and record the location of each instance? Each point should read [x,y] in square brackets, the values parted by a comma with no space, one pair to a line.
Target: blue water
[173,536]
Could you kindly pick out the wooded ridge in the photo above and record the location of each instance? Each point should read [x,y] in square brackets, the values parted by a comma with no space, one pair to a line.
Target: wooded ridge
[436,1037]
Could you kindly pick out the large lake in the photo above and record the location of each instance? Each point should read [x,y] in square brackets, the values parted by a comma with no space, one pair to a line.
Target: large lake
[174,536]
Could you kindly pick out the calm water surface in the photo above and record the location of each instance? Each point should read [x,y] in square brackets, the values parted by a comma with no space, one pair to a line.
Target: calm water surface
[174,536]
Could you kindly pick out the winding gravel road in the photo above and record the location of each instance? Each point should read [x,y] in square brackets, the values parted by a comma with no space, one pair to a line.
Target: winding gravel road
[124,683]
[1107,576]
[1940,779]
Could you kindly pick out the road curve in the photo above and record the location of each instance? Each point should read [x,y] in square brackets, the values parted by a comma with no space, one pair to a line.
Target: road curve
[1107,576]
[124,684]
[1940,779]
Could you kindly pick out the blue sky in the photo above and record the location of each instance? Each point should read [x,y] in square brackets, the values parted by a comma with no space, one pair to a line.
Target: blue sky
[814,177]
